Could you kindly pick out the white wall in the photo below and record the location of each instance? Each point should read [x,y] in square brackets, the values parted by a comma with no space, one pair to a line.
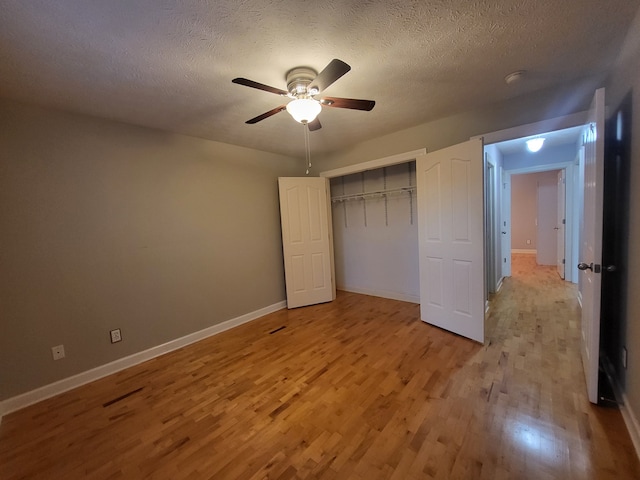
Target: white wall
[376,238]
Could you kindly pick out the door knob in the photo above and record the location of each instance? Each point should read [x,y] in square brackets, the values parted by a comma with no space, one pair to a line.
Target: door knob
[610,268]
[556,228]
[594,267]
[504,233]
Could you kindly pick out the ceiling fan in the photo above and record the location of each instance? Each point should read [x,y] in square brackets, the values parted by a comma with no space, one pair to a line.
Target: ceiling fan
[303,85]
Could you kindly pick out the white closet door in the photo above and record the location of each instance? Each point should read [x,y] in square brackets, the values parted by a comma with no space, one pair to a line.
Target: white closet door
[451,239]
[306,240]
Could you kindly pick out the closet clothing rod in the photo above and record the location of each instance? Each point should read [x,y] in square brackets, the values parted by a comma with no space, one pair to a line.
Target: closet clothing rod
[379,193]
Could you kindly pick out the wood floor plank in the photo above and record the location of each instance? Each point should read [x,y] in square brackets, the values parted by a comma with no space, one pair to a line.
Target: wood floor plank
[358,388]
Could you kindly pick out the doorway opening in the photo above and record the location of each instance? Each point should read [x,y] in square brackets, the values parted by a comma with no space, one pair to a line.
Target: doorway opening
[536,200]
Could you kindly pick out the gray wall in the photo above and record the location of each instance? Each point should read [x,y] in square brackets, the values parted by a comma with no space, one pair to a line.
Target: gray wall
[106,225]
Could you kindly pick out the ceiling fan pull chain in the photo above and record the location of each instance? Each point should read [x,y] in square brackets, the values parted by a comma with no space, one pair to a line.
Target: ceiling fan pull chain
[307,147]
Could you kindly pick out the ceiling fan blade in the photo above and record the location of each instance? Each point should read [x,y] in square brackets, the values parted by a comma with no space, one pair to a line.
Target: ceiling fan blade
[259,86]
[315,125]
[352,103]
[266,114]
[330,74]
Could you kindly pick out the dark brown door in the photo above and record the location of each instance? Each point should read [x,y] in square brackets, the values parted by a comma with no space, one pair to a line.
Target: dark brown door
[615,244]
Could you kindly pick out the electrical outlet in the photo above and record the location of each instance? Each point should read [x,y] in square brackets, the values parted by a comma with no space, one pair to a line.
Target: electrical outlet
[116,336]
[57,352]
[624,357]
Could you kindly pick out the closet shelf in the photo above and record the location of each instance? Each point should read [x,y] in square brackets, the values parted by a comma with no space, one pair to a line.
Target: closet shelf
[379,193]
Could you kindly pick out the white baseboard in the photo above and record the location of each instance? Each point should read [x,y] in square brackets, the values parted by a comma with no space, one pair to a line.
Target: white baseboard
[61,386]
[631,421]
[381,293]
[524,250]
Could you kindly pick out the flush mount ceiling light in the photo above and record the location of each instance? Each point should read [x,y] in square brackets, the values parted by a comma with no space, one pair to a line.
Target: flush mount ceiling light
[535,144]
[304,110]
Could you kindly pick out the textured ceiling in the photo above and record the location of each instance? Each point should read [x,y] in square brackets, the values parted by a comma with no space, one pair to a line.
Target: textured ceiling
[168,64]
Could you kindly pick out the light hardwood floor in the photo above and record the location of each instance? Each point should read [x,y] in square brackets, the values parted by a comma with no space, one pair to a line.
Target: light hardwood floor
[356,389]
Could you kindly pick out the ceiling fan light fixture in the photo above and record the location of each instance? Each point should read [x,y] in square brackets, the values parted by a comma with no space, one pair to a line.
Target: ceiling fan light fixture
[304,110]
[535,144]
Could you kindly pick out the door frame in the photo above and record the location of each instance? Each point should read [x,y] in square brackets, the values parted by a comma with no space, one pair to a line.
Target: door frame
[374,164]
[561,225]
[493,250]
[571,171]
[571,218]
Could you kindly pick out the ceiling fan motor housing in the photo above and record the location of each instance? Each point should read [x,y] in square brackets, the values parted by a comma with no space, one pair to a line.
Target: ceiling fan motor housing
[298,81]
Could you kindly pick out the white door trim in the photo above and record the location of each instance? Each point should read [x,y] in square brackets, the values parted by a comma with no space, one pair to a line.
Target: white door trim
[374,164]
[528,129]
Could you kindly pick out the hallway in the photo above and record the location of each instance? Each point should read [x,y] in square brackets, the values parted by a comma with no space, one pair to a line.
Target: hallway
[535,318]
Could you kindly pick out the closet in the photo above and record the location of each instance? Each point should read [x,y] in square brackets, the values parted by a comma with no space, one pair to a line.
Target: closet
[376,233]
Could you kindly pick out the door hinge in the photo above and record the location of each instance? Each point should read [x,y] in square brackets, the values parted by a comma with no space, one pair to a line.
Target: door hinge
[563,261]
[564,221]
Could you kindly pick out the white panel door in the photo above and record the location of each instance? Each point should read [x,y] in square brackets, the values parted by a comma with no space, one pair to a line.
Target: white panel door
[451,238]
[306,240]
[560,225]
[591,245]
[547,222]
